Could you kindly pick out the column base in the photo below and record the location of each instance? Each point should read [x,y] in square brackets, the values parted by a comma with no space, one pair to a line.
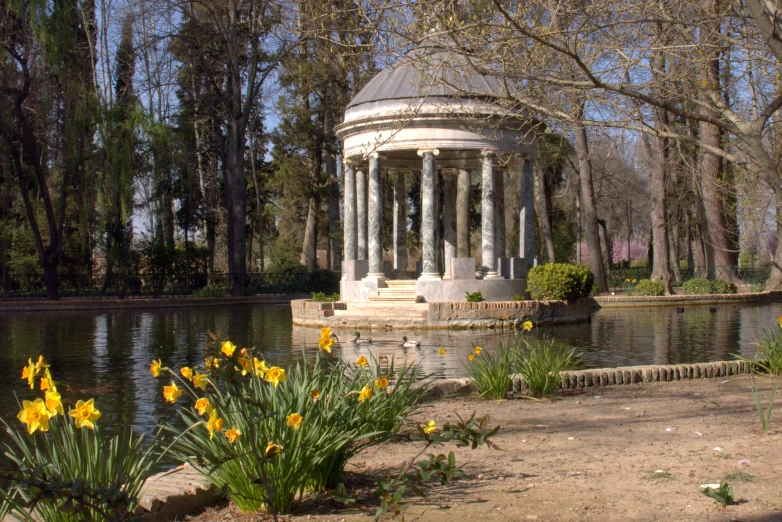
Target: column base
[491,275]
[429,276]
[378,278]
[447,276]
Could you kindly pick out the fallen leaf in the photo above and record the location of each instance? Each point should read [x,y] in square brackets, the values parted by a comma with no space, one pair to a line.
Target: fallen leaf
[724,382]
[671,430]
[720,449]
[744,462]
[573,473]
[698,433]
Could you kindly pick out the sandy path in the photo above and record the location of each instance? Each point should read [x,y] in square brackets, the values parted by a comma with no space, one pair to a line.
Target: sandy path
[594,455]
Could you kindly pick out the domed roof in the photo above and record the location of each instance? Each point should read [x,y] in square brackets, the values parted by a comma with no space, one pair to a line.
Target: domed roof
[428,72]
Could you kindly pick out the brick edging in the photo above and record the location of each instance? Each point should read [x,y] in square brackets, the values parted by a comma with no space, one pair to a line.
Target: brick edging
[573,380]
[103,303]
[612,301]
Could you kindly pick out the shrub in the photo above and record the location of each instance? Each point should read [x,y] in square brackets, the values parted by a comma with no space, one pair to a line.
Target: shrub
[475,297]
[320,297]
[207,292]
[68,469]
[491,371]
[540,363]
[650,287]
[276,433]
[516,298]
[559,281]
[718,286]
[696,286]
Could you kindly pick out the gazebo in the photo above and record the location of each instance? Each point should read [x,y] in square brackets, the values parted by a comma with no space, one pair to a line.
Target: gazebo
[431,111]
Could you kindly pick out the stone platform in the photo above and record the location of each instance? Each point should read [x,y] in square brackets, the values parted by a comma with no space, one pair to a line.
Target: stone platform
[448,315]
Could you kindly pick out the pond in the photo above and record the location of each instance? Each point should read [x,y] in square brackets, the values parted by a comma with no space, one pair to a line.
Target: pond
[106,355]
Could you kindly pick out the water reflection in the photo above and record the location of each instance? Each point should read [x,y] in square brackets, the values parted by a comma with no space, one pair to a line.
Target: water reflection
[107,355]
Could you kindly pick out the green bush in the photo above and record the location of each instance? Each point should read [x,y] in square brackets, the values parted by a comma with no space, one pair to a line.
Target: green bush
[718,286]
[475,297]
[208,291]
[516,298]
[320,297]
[697,286]
[560,281]
[650,287]
[540,363]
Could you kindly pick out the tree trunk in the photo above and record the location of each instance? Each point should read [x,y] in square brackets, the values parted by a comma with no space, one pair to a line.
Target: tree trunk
[588,204]
[579,223]
[608,248]
[309,251]
[335,227]
[674,259]
[774,281]
[543,197]
[688,240]
[236,204]
[710,172]
[660,246]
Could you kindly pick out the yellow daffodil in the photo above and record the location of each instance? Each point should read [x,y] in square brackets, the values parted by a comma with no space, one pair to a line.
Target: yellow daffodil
[199,381]
[443,351]
[477,350]
[244,353]
[365,395]
[275,375]
[325,332]
[315,395]
[228,348]
[47,383]
[246,365]
[40,365]
[527,326]
[381,383]
[85,414]
[35,415]
[470,357]
[28,373]
[215,424]
[779,321]
[156,367]
[53,403]
[212,363]
[635,280]
[203,406]
[362,361]
[186,372]
[233,434]
[294,420]
[325,344]
[259,367]
[272,450]
[171,393]
[430,427]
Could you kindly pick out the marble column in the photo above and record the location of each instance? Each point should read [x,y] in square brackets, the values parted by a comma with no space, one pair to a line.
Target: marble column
[375,220]
[488,258]
[361,214]
[499,217]
[463,190]
[527,214]
[428,215]
[349,213]
[449,219]
[400,224]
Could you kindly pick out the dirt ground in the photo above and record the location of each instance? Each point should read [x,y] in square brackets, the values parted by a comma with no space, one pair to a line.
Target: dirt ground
[601,454]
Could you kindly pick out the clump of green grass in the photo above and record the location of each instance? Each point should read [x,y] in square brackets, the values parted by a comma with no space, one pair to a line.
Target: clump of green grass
[540,363]
[657,475]
[739,477]
[475,297]
[491,371]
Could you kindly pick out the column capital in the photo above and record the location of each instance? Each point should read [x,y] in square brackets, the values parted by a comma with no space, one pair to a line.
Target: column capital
[372,155]
[434,152]
[350,161]
[486,152]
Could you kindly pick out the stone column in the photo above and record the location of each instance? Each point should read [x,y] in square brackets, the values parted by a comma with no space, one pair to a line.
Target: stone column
[449,220]
[375,219]
[349,213]
[463,214]
[488,259]
[361,214]
[499,217]
[527,214]
[428,215]
[400,224]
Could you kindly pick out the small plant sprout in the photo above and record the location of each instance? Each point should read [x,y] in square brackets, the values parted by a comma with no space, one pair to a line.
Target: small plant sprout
[763,413]
[722,493]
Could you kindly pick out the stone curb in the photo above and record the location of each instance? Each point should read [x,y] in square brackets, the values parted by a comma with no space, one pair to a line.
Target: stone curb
[100,303]
[617,301]
[175,493]
[574,380]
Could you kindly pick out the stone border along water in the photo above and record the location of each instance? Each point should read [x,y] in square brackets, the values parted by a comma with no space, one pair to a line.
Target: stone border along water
[107,303]
[181,491]
[489,314]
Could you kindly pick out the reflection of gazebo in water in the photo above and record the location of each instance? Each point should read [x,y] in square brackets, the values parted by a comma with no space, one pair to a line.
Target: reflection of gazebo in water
[432,112]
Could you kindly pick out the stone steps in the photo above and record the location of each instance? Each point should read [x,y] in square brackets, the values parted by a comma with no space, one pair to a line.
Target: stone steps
[397,291]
